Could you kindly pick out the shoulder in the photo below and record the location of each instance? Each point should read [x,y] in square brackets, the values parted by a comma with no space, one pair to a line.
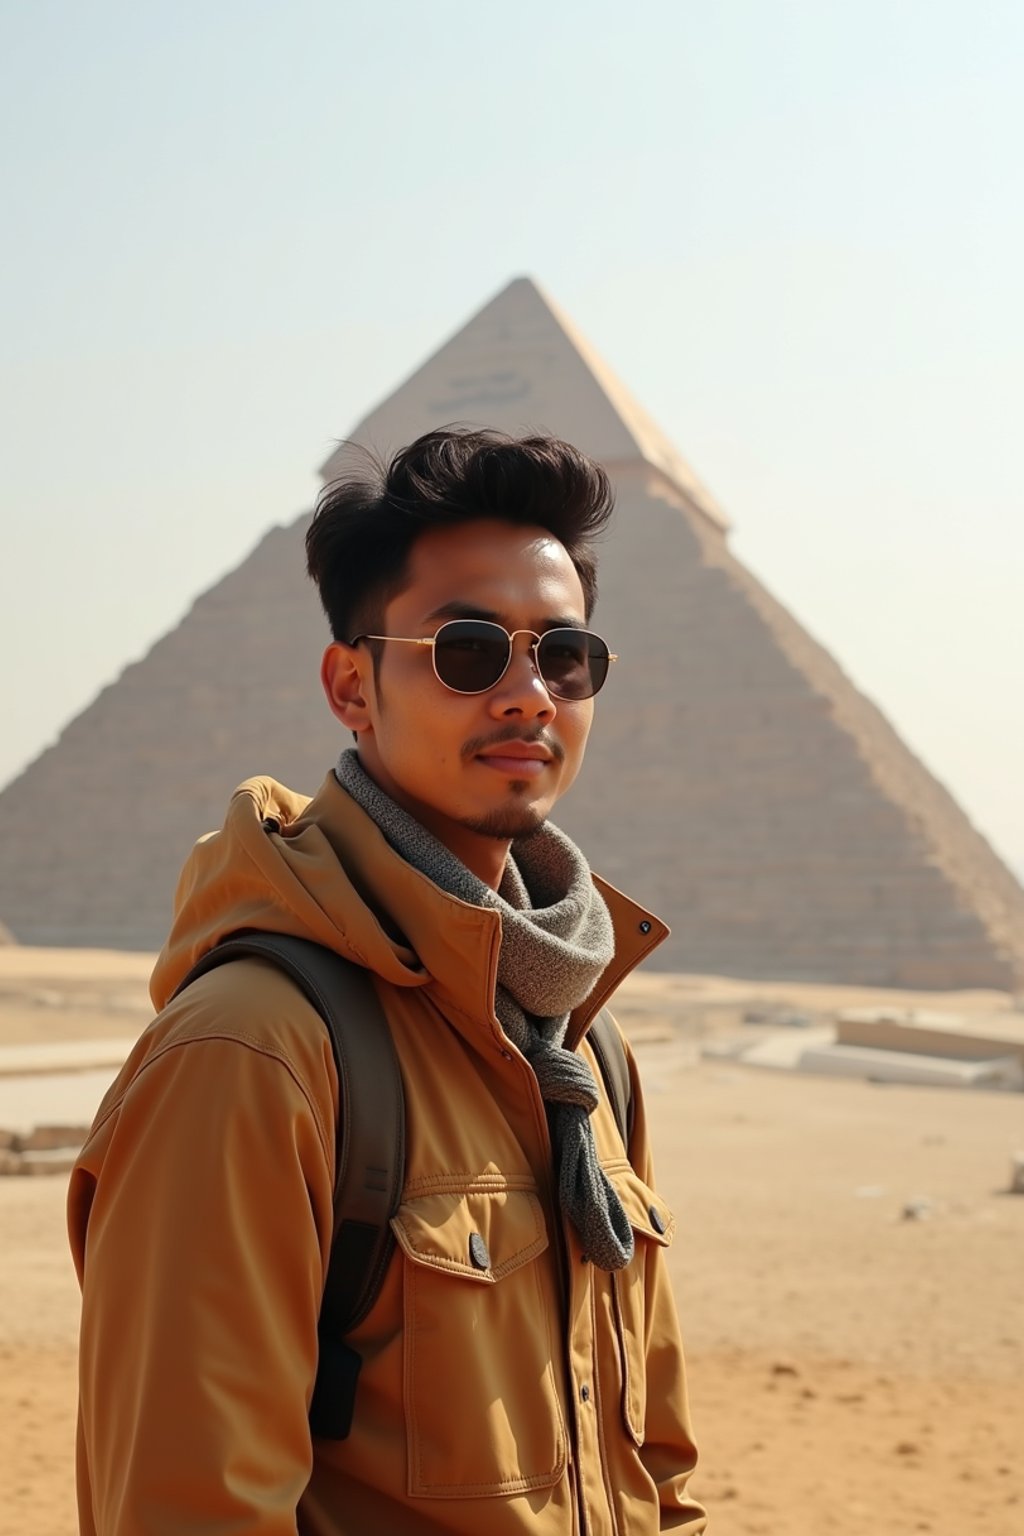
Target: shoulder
[250,1000]
[243,1020]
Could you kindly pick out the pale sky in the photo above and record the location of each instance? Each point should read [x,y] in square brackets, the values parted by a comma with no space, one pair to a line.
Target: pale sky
[794,229]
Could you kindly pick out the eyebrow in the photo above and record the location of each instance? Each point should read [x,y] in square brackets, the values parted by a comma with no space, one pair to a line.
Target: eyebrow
[459,610]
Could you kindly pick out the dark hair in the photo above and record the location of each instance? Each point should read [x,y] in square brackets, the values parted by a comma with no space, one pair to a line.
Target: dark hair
[363,530]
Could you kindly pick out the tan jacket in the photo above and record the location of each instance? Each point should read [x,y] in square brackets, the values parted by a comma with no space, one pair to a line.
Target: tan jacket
[540,1395]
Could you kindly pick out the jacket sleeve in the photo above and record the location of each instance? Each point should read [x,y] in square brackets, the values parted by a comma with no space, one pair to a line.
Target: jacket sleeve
[200,1214]
[668,1452]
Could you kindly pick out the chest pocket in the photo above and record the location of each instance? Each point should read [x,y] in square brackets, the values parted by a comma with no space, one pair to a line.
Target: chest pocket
[481,1399]
[653,1228]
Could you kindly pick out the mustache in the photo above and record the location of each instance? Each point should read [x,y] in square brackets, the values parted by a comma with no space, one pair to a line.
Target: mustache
[480,744]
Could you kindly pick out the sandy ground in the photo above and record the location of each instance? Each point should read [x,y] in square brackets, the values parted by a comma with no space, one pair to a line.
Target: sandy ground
[851,1370]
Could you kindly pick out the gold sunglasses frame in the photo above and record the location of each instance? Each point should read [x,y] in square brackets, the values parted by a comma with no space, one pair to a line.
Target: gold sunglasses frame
[469,693]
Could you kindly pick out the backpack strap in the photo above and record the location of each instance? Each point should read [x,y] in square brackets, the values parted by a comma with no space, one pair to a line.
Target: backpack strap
[370,1160]
[606,1040]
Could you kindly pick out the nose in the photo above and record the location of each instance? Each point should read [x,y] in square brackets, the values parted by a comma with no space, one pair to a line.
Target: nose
[521,691]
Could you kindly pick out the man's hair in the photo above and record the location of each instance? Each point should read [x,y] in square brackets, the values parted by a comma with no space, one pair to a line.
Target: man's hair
[363,531]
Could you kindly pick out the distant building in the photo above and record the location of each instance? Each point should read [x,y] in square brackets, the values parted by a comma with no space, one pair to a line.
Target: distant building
[737,781]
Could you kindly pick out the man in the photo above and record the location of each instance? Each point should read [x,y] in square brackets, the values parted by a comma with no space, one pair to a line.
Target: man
[521,1365]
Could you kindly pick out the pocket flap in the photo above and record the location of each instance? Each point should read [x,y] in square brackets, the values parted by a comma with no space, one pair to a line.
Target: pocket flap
[479,1235]
[646,1210]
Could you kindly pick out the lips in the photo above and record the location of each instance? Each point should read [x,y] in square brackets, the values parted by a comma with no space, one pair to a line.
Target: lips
[524,751]
[519,759]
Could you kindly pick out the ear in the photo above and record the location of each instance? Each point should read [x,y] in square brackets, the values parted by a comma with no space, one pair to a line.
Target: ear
[346,673]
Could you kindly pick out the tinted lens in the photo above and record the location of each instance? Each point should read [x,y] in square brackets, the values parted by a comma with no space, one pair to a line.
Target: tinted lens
[470,655]
[572,662]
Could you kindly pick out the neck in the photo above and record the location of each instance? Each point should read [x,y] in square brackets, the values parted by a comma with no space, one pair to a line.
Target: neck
[484,856]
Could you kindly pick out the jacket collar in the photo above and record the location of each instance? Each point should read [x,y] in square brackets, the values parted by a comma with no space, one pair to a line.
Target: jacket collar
[637,933]
[457,944]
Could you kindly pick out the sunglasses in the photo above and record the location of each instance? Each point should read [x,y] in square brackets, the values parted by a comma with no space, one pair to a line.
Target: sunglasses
[472,655]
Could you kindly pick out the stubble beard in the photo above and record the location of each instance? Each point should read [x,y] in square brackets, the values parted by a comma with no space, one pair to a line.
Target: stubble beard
[507,822]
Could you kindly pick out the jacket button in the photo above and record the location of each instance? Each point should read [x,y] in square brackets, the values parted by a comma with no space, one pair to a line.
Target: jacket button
[585,1393]
[271,824]
[657,1219]
[478,1252]
[645,926]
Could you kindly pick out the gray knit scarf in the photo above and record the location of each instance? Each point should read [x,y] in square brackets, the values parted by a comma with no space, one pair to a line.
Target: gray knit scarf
[556,939]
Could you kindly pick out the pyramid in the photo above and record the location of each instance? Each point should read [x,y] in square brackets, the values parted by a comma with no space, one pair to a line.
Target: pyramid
[736,780]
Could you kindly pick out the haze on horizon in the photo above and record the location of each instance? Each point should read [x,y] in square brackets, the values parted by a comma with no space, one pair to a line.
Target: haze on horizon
[792,229]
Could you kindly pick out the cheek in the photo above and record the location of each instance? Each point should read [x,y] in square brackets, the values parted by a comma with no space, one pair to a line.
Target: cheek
[575,731]
[580,721]
[420,724]
[406,702]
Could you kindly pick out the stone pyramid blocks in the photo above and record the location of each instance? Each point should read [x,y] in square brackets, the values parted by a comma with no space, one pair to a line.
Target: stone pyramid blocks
[736,782]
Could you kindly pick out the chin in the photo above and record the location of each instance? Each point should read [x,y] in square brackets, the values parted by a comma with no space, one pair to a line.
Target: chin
[507,822]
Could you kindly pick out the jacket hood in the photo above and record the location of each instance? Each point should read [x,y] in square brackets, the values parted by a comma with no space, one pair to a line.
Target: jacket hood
[321,869]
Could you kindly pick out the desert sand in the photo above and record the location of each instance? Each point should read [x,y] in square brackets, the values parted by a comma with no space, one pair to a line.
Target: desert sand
[852,1368]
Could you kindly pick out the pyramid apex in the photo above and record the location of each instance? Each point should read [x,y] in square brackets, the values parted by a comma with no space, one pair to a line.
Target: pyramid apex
[519,365]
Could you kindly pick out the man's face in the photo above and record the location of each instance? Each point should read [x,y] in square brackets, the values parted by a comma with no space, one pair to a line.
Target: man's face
[437,752]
